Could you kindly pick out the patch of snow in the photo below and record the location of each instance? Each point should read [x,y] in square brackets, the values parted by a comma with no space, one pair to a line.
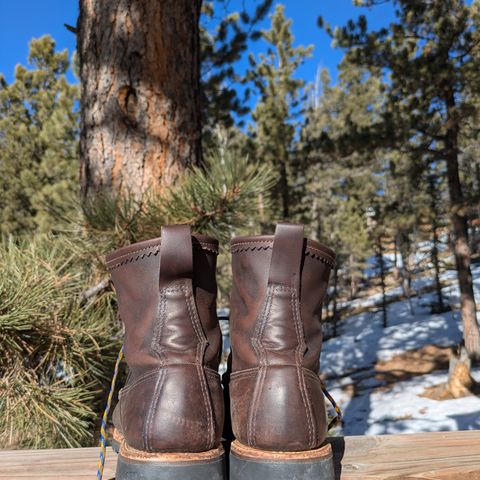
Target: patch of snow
[402,410]
[350,358]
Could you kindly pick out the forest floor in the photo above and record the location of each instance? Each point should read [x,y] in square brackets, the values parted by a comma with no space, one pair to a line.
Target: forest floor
[378,375]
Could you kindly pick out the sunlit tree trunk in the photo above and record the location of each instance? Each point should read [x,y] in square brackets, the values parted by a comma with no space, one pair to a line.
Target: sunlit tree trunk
[140,110]
[461,248]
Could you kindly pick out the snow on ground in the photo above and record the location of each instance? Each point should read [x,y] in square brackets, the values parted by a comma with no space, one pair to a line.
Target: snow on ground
[402,410]
[421,255]
[418,284]
[349,359]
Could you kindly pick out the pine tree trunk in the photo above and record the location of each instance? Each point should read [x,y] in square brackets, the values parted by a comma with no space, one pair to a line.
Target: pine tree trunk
[436,265]
[461,248]
[140,100]
[477,175]
[335,294]
[440,307]
[353,280]
[405,272]
[460,382]
[284,189]
[381,264]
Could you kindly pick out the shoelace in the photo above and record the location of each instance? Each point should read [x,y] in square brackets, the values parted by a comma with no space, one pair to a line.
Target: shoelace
[338,418]
[103,428]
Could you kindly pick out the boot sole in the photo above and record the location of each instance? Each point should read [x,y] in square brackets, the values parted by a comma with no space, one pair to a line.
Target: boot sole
[248,463]
[135,464]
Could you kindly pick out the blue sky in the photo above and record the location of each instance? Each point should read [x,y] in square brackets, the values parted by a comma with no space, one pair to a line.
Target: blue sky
[26,19]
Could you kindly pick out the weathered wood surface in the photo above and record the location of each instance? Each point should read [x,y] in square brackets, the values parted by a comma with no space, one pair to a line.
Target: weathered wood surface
[426,456]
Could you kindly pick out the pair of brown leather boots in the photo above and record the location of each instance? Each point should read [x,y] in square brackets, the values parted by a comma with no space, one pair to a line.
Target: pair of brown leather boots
[170,415]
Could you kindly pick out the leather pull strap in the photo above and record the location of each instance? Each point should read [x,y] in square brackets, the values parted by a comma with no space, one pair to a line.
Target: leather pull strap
[286,261]
[176,254]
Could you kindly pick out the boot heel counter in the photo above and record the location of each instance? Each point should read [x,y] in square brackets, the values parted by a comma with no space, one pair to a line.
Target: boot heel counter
[164,414]
[241,389]
[278,408]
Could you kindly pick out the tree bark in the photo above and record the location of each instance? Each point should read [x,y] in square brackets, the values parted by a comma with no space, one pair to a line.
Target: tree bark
[461,248]
[353,278]
[405,270]
[284,189]
[140,94]
[440,307]
[381,265]
[436,266]
[335,295]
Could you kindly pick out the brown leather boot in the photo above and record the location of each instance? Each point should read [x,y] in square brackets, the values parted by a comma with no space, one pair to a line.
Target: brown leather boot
[170,413]
[276,400]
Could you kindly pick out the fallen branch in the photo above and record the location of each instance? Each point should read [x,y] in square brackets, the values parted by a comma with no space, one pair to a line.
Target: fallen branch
[95,290]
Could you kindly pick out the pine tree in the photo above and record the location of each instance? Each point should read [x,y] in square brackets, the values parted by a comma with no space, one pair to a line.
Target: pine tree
[149,80]
[58,346]
[403,202]
[340,180]
[435,217]
[223,44]
[38,141]
[276,114]
[431,56]
[469,163]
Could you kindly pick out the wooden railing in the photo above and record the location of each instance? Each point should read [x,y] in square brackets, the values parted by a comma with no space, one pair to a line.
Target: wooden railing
[425,456]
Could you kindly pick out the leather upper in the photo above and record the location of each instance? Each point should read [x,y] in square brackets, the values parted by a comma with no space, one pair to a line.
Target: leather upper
[166,291]
[278,286]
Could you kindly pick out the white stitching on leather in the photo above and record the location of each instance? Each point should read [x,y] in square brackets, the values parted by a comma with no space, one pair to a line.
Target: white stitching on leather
[193,314]
[301,378]
[205,246]
[146,376]
[154,245]
[320,255]
[262,371]
[147,434]
[159,322]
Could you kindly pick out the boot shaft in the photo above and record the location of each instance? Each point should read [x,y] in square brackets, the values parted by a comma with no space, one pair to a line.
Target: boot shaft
[287,275]
[172,276]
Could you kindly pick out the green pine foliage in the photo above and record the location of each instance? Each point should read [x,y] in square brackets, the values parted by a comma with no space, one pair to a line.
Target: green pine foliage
[341,180]
[226,33]
[38,141]
[219,198]
[277,113]
[57,346]
[431,58]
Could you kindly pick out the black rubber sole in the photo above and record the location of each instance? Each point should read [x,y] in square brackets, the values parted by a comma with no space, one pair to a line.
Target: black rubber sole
[251,464]
[166,467]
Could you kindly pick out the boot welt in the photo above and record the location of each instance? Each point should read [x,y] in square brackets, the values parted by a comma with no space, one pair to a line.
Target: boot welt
[139,465]
[247,463]
[117,439]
